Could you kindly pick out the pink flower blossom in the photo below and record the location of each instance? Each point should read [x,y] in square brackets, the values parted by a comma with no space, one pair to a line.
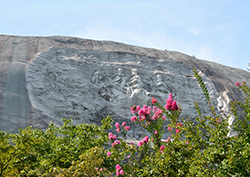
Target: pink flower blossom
[133,118]
[237,83]
[170,97]
[174,106]
[127,128]
[140,143]
[186,142]
[145,139]
[118,167]
[179,124]
[154,109]
[169,139]
[177,131]
[156,132]
[218,120]
[141,112]
[170,128]
[128,156]
[153,100]
[117,172]
[152,139]
[162,147]
[117,125]
[111,136]
[100,169]
[132,110]
[121,172]
[168,104]
[115,143]
[163,117]
[108,154]
[131,143]
[118,130]
[138,108]
[171,104]
[123,124]
[96,168]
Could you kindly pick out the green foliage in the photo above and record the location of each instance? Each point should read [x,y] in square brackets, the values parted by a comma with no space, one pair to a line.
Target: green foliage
[33,152]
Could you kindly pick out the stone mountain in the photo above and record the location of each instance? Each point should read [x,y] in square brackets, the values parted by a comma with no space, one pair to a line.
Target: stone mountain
[44,79]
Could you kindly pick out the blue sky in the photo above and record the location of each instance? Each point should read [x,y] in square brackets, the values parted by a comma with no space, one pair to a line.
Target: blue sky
[214,30]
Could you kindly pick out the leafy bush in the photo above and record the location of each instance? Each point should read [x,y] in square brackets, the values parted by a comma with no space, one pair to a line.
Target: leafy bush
[33,152]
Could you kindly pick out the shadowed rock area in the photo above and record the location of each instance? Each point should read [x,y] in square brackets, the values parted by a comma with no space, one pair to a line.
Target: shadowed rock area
[44,79]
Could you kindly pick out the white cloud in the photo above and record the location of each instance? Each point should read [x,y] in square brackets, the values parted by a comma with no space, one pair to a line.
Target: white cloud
[194,31]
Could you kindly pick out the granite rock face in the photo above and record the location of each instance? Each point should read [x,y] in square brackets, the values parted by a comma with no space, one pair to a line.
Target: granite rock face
[44,79]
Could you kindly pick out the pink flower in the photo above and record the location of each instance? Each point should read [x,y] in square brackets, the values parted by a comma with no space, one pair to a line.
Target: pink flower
[154,109]
[174,106]
[133,118]
[123,124]
[111,136]
[127,128]
[115,143]
[218,120]
[131,143]
[117,125]
[170,128]
[118,167]
[117,172]
[118,130]
[108,154]
[153,100]
[96,168]
[169,139]
[141,112]
[128,156]
[100,169]
[132,109]
[156,132]
[138,108]
[162,147]
[152,139]
[186,142]
[121,172]
[170,97]
[140,143]
[179,124]
[177,131]
[163,117]
[169,104]
[145,139]
[237,83]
